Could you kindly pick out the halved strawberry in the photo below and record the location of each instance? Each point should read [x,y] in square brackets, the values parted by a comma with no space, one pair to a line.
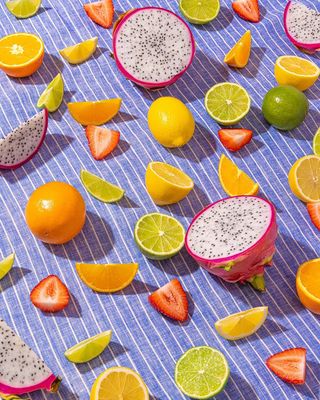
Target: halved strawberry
[102,141]
[50,295]
[171,300]
[234,139]
[314,212]
[289,365]
[100,12]
[247,9]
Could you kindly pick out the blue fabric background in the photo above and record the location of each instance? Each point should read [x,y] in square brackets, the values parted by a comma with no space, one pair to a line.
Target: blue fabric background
[143,339]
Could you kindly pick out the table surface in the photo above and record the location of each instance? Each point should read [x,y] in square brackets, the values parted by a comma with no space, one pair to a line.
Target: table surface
[143,339]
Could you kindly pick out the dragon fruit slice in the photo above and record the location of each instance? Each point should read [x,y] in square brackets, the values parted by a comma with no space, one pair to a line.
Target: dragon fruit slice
[234,238]
[302,26]
[20,145]
[152,46]
[21,370]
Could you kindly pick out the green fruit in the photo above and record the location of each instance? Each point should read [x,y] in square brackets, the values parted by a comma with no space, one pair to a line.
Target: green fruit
[285,107]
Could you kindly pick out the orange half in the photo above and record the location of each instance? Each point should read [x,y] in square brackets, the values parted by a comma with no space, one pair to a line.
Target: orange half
[308,285]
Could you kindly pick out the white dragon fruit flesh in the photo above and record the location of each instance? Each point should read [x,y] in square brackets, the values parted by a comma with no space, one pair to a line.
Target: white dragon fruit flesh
[21,370]
[152,46]
[302,26]
[234,238]
[20,145]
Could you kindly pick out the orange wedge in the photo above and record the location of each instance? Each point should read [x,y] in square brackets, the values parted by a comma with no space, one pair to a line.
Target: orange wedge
[21,54]
[238,56]
[94,112]
[107,278]
[308,285]
[234,181]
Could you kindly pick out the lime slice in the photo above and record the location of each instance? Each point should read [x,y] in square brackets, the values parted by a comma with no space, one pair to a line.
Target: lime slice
[202,372]
[52,96]
[159,236]
[80,52]
[200,11]
[316,143]
[101,189]
[227,103]
[6,265]
[89,348]
[23,8]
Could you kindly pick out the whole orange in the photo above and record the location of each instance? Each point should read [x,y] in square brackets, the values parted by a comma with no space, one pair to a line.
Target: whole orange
[55,212]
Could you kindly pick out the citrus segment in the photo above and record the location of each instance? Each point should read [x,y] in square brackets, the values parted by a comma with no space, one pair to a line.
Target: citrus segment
[101,189]
[308,285]
[6,264]
[94,112]
[80,52]
[239,55]
[316,143]
[23,8]
[200,11]
[52,96]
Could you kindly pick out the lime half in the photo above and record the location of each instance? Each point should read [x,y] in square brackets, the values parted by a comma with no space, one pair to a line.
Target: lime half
[159,236]
[89,348]
[227,103]
[23,8]
[52,96]
[316,143]
[101,189]
[200,11]
[6,265]
[202,372]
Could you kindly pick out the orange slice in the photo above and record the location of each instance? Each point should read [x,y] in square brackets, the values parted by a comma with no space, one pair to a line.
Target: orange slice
[238,56]
[107,278]
[234,181]
[21,54]
[308,285]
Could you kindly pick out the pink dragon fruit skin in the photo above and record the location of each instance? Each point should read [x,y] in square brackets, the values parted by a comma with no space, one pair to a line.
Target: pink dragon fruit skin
[48,385]
[245,266]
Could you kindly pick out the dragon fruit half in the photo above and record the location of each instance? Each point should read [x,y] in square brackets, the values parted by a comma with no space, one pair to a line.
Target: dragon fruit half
[234,238]
[152,46]
[20,145]
[302,26]
[21,370]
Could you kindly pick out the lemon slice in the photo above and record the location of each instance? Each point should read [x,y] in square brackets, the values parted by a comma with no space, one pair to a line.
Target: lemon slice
[52,96]
[242,324]
[316,143]
[80,52]
[23,8]
[94,112]
[6,264]
[239,55]
[101,189]
[89,349]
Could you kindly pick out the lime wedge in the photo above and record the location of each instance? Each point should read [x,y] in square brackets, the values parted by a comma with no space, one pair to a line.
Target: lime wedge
[159,236]
[52,96]
[227,103]
[89,348]
[101,189]
[316,143]
[6,265]
[202,372]
[200,11]
[23,8]
[80,52]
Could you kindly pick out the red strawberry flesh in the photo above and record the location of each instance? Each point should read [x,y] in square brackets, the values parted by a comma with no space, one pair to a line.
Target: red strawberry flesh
[247,9]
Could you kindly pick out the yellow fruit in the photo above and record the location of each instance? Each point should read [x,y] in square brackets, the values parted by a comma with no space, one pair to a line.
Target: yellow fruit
[167,184]
[308,285]
[296,71]
[171,122]
[234,181]
[304,179]
[94,112]
[239,55]
[80,52]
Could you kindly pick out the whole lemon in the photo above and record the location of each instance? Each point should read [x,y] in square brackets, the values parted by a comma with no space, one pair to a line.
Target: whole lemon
[55,212]
[171,122]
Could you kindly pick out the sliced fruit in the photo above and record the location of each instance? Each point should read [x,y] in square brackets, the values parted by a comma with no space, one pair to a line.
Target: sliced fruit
[304,179]
[100,12]
[52,96]
[88,349]
[23,8]
[101,189]
[94,112]
[227,103]
[247,9]
[289,365]
[200,11]
[107,278]
[80,52]
[6,264]
[202,372]
[314,212]
[119,383]
[171,300]
[234,139]
[167,184]
[316,143]
[159,236]
[238,56]
[102,141]
[242,324]
[296,71]
[50,295]
[308,285]
[234,181]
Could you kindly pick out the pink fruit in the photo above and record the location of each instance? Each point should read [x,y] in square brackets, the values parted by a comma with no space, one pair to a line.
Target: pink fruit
[153,47]
[234,238]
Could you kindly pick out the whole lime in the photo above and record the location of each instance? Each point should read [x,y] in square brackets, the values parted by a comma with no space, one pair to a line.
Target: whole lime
[285,107]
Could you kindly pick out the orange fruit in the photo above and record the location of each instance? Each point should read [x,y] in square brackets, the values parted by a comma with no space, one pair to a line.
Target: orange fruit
[55,212]
[238,56]
[21,54]
[308,285]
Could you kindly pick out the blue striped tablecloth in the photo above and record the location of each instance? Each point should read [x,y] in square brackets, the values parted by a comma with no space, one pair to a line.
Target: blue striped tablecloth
[143,339]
